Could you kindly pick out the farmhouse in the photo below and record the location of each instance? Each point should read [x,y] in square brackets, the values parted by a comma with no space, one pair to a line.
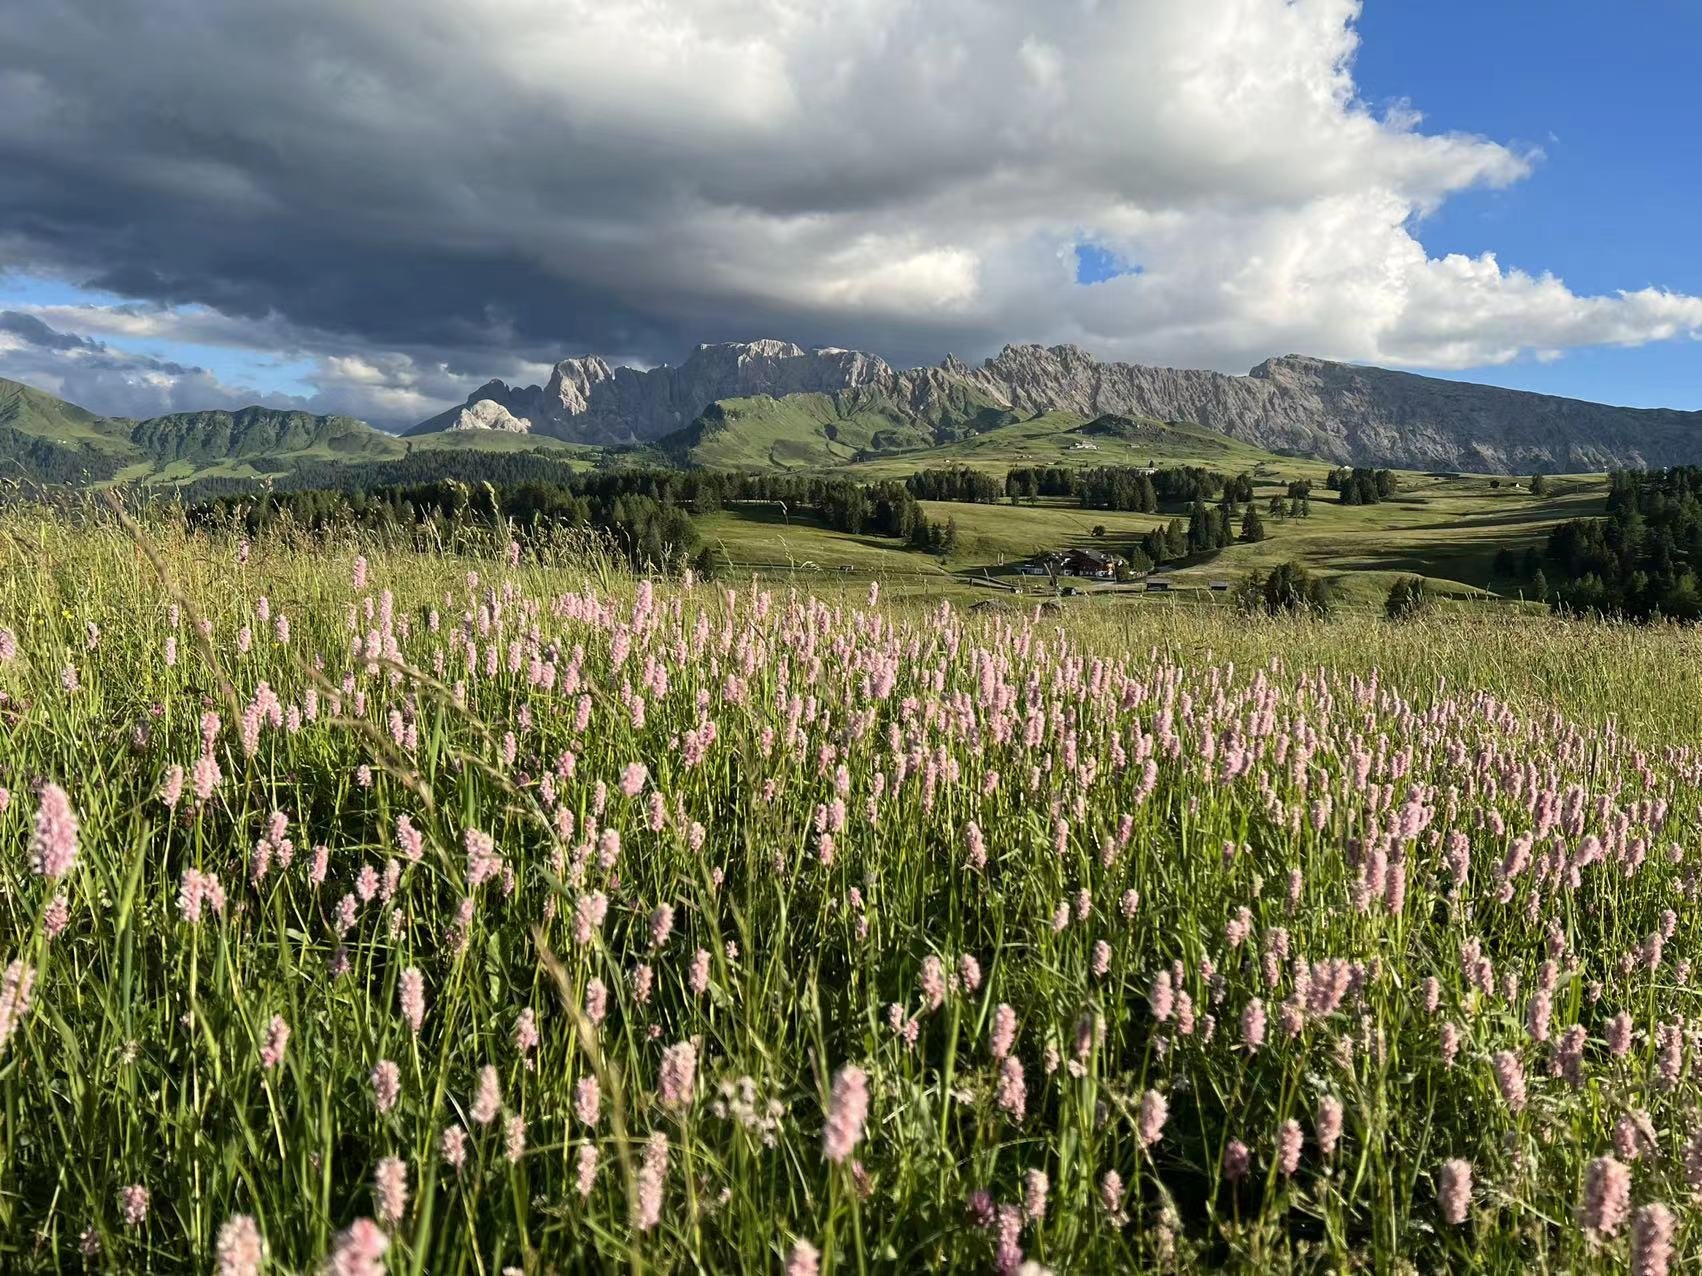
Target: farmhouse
[1091,564]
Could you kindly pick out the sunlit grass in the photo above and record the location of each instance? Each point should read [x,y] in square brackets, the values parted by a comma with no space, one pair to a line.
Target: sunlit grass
[960,856]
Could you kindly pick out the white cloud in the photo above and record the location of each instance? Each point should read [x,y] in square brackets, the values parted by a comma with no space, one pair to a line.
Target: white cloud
[414,206]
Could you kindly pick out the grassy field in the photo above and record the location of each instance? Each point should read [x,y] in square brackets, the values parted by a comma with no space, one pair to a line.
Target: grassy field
[488,911]
[1057,438]
[1446,529]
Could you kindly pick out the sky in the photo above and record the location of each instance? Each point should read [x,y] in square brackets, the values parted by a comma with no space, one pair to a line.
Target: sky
[317,205]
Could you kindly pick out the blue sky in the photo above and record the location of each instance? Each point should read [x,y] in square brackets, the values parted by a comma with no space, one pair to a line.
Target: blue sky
[1608,92]
[1202,169]
[267,371]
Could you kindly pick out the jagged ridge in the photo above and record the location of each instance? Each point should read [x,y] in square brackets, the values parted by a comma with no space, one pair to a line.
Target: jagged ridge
[1338,411]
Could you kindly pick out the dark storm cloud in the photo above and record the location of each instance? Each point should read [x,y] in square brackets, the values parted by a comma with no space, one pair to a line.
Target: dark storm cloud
[31,331]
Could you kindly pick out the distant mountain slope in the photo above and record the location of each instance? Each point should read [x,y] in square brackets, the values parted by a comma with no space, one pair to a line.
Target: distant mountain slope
[261,434]
[1358,415]
[45,439]
[816,431]
[31,411]
[588,400]
[1341,412]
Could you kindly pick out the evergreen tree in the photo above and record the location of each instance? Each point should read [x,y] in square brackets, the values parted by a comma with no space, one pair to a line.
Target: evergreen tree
[1291,588]
[1408,597]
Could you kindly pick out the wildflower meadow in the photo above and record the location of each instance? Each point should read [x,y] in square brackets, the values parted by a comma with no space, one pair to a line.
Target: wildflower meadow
[488,910]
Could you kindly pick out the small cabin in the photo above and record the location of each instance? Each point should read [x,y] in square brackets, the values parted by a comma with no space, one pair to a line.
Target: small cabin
[1089,563]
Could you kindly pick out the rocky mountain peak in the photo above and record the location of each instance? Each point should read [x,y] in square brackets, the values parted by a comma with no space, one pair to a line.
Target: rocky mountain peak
[1336,411]
[488,414]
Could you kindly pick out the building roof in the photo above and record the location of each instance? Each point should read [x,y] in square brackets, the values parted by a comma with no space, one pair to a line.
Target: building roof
[1093,555]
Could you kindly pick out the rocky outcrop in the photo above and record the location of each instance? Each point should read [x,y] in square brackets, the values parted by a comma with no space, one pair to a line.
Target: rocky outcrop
[588,400]
[1356,415]
[1337,411]
[488,414]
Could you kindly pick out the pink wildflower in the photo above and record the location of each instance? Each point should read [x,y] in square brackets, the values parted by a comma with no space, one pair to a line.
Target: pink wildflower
[452,1146]
[1162,999]
[933,982]
[1111,1193]
[53,848]
[661,925]
[1651,1240]
[1004,1031]
[55,917]
[1237,1160]
[133,1204]
[804,1260]
[1454,1190]
[1012,1094]
[1154,1112]
[1607,1196]
[848,1109]
[1034,1189]
[488,1099]
[1253,1025]
[198,891]
[1510,1077]
[390,1190]
[968,973]
[15,990]
[386,1085]
[1619,1035]
[652,1182]
[1288,1143]
[1329,1125]
[277,1038]
[413,997]
[240,1249]
[359,1250]
[679,1074]
[514,1139]
[587,1100]
[586,1176]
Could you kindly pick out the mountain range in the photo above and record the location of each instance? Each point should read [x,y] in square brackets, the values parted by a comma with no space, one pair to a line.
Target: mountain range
[1334,411]
[775,404]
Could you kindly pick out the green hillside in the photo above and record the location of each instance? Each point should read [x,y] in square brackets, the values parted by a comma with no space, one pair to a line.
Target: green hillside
[45,439]
[503,443]
[261,435]
[1064,438]
[801,431]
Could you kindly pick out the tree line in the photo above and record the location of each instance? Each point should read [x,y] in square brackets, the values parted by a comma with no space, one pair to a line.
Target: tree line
[1640,561]
[1120,487]
[648,514]
[1360,486]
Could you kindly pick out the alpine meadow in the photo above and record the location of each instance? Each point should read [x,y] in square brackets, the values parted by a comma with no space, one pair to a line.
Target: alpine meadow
[491,909]
[981,637]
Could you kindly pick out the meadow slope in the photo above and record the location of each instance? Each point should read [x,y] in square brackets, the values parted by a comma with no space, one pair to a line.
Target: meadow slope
[491,910]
